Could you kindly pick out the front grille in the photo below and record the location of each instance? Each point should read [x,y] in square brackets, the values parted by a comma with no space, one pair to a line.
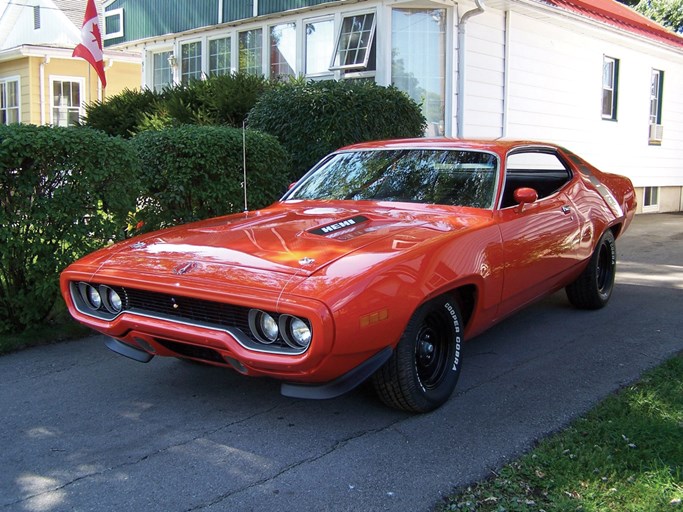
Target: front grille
[185,308]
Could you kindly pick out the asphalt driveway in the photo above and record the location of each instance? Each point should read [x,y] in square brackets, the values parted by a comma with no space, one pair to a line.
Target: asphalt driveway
[84,429]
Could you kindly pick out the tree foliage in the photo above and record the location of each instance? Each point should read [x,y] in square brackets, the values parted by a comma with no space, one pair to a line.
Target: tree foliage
[665,12]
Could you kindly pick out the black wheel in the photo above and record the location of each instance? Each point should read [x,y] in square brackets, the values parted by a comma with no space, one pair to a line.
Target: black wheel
[593,288]
[423,370]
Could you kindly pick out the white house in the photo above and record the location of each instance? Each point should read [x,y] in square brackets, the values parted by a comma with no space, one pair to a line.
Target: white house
[592,75]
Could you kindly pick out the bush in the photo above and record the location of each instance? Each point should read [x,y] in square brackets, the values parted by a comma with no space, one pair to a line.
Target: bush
[311,119]
[121,115]
[195,172]
[218,100]
[64,192]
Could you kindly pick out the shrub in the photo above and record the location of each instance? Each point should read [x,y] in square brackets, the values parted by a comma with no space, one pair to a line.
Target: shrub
[64,192]
[311,119]
[120,115]
[195,172]
[218,100]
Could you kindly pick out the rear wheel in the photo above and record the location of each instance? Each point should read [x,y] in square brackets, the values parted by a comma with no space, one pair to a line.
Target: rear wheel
[593,288]
[424,369]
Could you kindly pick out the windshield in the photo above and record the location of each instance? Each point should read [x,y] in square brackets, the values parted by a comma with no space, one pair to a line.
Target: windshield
[448,177]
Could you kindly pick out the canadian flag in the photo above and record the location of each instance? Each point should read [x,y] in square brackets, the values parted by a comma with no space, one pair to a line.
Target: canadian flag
[91,47]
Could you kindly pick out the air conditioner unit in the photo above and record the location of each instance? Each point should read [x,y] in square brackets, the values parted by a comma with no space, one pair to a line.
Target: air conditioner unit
[656,131]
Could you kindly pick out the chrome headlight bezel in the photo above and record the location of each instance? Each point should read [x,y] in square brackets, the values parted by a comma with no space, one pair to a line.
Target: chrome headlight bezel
[292,331]
[263,326]
[295,331]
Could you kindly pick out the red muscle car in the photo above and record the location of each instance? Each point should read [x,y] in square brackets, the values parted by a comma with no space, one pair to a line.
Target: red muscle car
[378,263]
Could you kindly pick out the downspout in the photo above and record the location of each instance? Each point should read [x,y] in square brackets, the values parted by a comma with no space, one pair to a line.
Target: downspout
[479,9]
[41,79]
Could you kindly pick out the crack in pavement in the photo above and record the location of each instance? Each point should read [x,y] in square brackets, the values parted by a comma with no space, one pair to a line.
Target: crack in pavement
[335,446]
[148,456]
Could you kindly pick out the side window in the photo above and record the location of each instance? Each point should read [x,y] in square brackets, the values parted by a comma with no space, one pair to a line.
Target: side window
[541,170]
[190,62]
[162,70]
[67,108]
[656,90]
[319,45]
[353,50]
[610,85]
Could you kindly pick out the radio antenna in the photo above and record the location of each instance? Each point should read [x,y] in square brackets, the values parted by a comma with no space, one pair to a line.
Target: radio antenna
[244,163]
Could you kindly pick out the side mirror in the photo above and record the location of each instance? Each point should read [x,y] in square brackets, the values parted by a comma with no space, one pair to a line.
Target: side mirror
[525,195]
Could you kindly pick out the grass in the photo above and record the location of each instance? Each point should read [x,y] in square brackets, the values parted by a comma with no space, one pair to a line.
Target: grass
[625,455]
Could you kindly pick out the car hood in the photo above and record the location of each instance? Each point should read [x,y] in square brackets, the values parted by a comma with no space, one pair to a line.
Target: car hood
[287,238]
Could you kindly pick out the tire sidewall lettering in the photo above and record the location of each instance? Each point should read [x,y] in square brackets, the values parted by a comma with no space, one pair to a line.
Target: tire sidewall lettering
[457,338]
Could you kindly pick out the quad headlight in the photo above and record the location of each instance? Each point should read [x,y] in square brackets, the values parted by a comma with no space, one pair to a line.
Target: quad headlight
[296,332]
[112,300]
[263,326]
[269,328]
[100,298]
[94,298]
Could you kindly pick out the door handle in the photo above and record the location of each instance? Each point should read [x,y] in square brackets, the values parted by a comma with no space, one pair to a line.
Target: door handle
[566,209]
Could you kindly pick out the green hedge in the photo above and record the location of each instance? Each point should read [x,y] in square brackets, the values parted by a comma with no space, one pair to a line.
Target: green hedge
[123,113]
[311,119]
[194,172]
[64,192]
[218,100]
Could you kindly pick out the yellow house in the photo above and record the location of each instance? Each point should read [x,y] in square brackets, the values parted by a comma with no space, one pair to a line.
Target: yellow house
[40,82]
[45,85]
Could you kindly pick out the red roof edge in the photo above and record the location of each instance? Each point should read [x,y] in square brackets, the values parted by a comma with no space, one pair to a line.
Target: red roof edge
[620,16]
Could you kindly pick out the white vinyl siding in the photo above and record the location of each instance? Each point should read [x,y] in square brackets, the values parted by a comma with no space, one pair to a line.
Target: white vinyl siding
[485,75]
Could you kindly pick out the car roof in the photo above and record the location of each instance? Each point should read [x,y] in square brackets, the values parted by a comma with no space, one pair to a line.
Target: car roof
[495,145]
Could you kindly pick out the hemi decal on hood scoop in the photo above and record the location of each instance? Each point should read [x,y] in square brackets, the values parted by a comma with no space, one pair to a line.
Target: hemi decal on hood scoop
[329,229]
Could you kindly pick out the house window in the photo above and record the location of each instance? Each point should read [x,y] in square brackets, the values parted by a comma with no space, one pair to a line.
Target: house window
[251,51]
[319,46]
[656,88]
[36,17]
[418,61]
[282,49]
[66,101]
[651,199]
[162,72]
[9,101]
[610,79]
[219,56]
[113,24]
[190,62]
[354,44]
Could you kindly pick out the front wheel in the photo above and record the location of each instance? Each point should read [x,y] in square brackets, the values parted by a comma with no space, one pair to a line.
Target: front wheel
[424,369]
[593,288]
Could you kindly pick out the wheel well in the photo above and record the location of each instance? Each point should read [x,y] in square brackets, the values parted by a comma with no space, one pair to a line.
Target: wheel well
[467,297]
[616,230]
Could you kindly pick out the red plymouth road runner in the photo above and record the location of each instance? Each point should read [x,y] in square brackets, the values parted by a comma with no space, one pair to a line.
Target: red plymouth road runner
[377,264]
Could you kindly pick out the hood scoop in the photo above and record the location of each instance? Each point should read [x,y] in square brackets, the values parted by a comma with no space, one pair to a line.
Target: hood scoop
[339,228]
